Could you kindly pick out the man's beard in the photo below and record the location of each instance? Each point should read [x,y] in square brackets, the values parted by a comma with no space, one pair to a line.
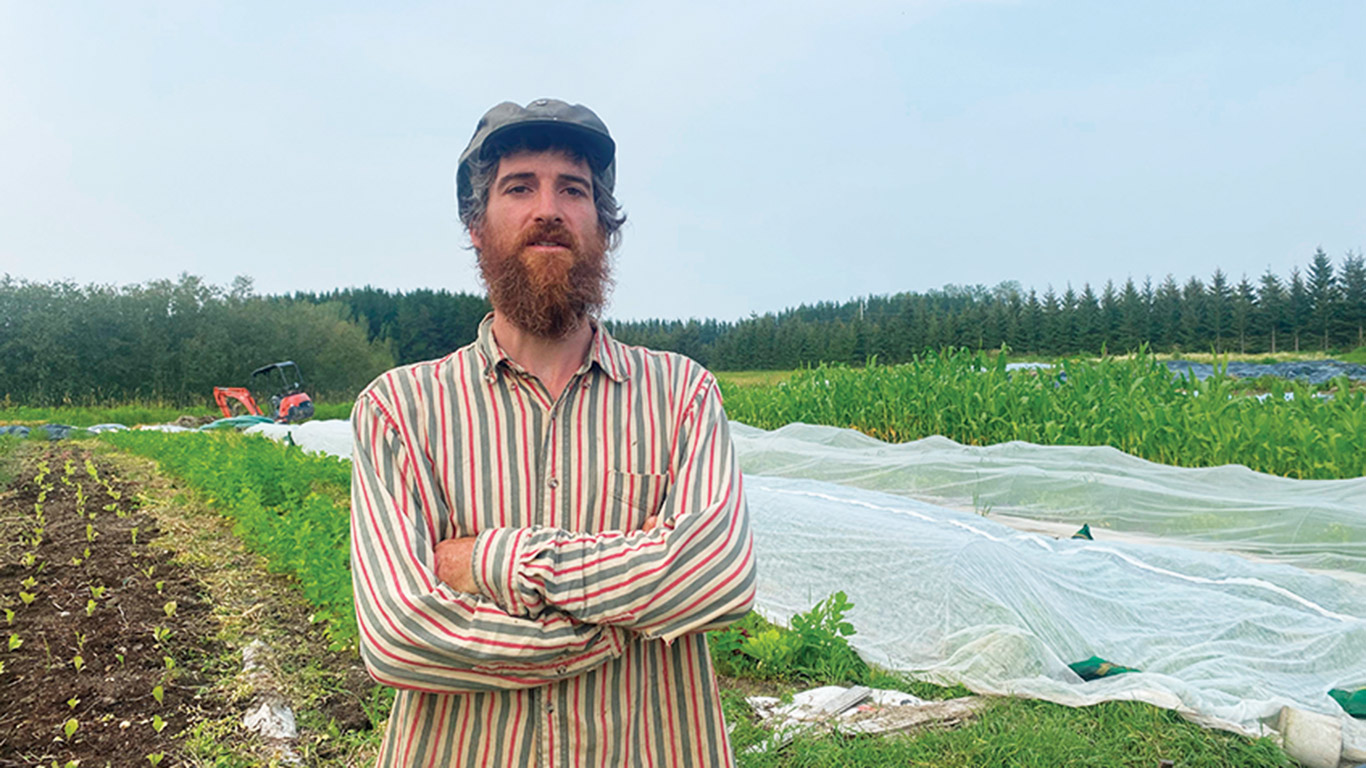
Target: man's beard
[545,294]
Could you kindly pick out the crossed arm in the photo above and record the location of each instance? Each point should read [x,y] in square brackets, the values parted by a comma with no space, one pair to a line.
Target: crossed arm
[518,607]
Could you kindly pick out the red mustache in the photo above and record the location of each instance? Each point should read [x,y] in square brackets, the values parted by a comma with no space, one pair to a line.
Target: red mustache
[550,233]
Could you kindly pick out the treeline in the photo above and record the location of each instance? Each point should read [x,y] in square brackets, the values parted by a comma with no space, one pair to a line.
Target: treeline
[173,341]
[418,325]
[170,341]
[1320,308]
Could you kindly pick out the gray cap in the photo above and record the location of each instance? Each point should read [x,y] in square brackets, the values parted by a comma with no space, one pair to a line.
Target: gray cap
[580,127]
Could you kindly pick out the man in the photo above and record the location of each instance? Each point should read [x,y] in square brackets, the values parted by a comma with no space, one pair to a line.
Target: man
[545,521]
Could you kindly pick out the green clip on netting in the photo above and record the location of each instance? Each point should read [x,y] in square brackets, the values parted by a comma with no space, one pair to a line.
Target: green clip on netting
[1352,701]
[1095,668]
[1084,533]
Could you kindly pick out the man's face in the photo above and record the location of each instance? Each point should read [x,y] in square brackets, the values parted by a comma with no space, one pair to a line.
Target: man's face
[541,251]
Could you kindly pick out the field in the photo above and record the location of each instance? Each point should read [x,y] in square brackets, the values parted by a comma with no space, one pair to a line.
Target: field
[155,559]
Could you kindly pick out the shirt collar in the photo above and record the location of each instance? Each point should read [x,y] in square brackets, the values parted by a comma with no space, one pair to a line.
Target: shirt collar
[604,351]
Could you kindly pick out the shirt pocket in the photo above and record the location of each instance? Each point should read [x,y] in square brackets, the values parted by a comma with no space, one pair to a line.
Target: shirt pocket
[633,496]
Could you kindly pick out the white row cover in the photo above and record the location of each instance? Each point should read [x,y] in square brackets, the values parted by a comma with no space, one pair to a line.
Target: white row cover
[1235,593]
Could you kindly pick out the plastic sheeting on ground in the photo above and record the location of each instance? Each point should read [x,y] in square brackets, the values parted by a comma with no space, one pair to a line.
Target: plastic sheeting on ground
[1311,371]
[330,436]
[960,597]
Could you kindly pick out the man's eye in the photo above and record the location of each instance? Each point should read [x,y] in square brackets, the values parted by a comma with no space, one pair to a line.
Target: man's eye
[518,189]
[579,191]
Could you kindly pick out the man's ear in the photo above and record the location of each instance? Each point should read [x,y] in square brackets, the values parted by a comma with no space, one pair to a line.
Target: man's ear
[476,239]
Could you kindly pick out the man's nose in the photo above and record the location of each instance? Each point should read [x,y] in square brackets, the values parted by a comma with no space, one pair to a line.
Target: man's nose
[548,206]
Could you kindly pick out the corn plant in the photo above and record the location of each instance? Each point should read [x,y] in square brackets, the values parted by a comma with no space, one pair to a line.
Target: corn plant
[1133,404]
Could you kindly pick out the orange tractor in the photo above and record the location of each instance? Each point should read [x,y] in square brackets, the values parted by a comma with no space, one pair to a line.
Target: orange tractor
[288,404]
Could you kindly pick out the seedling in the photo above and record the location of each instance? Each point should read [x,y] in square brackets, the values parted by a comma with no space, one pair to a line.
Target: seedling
[158,693]
[73,701]
[119,656]
[27,597]
[90,607]
[169,608]
[159,585]
[70,727]
[135,535]
[28,559]
[9,616]
[148,570]
[169,662]
[29,582]
[90,533]
[78,662]
[155,758]
[161,634]
[15,641]
[157,723]
[97,592]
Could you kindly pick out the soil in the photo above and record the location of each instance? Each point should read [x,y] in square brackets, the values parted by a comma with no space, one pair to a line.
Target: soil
[110,698]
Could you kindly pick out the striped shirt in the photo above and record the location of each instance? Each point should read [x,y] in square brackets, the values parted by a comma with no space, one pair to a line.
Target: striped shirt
[584,648]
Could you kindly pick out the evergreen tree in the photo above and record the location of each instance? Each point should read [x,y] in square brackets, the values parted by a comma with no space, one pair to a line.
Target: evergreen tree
[1323,289]
[1352,281]
[1218,309]
[1271,315]
[1193,331]
[1244,304]
[1301,307]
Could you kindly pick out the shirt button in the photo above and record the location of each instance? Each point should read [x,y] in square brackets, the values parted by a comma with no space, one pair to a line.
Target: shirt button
[554,483]
[489,377]
[561,670]
[550,709]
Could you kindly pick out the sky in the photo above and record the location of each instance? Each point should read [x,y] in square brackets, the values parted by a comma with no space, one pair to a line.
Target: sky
[769,153]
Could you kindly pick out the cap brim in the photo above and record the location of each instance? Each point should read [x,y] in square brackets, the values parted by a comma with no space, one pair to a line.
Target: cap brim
[599,149]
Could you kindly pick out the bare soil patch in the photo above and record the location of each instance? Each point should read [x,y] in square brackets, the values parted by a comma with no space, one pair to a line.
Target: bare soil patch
[102,649]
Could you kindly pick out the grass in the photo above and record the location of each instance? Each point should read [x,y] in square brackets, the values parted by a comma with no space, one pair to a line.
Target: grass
[739,379]
[1022,733]
[133,414]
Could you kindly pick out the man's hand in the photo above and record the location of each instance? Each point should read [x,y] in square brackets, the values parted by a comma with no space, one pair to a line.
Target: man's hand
[453,558]
[453,563]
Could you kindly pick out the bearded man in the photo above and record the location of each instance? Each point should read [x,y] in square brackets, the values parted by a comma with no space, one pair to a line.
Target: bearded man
[545,522]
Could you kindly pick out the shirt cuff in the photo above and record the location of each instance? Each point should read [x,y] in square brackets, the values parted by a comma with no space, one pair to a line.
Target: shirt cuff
[494,562]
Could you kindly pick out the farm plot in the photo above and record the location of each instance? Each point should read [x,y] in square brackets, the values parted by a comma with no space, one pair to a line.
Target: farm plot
[104,634]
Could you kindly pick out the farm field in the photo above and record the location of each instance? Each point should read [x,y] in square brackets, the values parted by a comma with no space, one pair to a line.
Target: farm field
[205,512]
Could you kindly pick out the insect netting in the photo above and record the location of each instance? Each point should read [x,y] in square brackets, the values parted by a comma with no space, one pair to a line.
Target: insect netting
[1231,593]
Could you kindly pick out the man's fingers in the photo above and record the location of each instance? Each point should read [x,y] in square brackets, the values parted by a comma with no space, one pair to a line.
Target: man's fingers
[650,523]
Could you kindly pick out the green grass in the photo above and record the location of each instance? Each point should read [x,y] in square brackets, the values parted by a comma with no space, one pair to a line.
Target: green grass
[133,414]
[1133,404]
[1022,733]
[736,379]
[130,414]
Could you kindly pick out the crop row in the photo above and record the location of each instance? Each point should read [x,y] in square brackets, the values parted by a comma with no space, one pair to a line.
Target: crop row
[291,507]
[1133,404]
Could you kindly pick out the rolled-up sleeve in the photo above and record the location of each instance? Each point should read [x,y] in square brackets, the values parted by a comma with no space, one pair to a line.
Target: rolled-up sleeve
[417,632]
[693,572]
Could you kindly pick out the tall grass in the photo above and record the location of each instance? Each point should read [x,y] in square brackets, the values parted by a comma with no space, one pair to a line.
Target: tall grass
[1134,404]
